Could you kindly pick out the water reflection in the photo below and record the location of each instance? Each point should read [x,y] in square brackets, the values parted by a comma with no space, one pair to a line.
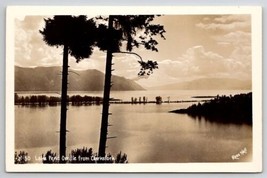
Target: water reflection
[219,119]
[146,133]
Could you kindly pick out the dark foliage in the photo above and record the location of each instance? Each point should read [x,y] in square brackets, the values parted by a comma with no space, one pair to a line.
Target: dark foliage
[77,33]
[43,100]
[129,25]
[21,157]
[147,67]
[50,158]
[125,28]
[104,34]
[233,109]
[121,158]
[84,155]
[158,100]
[78,100]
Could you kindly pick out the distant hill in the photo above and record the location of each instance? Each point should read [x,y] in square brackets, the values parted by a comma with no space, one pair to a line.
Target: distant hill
[209,84]
[49,79]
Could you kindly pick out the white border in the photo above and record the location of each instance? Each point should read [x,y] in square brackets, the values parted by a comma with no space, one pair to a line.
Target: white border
[256,14]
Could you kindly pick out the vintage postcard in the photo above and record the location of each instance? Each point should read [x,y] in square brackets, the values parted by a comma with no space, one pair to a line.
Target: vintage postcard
[133,89]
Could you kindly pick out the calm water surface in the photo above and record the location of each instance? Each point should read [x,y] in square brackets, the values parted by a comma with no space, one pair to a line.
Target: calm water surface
[146,133]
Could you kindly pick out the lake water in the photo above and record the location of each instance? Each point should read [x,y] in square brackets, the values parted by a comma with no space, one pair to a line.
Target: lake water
[146,133]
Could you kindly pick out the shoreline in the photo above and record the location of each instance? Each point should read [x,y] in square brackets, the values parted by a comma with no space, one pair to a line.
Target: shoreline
[224,109]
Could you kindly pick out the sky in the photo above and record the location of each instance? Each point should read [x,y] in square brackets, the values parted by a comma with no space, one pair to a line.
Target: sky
[196,46]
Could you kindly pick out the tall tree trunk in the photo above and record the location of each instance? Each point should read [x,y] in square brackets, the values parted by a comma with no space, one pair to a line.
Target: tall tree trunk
[63,114]
[106,98]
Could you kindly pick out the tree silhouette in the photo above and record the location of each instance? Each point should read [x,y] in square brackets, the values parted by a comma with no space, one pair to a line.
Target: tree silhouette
[124,28]
[75,34]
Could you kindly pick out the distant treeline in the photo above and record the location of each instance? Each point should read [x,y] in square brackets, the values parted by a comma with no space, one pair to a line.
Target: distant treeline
[77,100]
[224,109]
[43,100]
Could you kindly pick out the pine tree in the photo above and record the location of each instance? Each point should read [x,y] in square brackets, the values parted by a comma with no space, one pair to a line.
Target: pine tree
[76,35]
[124,28]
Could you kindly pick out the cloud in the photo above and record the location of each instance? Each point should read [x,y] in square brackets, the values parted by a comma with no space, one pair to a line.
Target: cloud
[241,44]
[227,23]
[230,32]
[96,61]
[232,18]
[209,64]
[197,62]
[201,63]
[126,65]
[236,38]
[234,33]
[31,50]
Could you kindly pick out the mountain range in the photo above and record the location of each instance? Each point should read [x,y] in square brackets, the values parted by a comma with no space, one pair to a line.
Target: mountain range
[208,84]
[49,79]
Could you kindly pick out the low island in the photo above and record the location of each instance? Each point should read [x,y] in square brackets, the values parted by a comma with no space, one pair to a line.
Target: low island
[235,109]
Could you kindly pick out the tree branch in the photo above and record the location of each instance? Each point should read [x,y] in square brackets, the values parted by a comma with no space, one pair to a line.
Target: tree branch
[126,52]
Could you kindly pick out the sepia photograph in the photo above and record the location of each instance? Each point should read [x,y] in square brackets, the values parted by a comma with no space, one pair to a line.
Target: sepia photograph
[124,89]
